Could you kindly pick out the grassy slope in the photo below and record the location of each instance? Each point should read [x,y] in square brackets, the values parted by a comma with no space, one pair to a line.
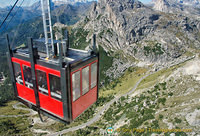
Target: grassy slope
[126,83]
[7,109]
[11,125]
[124,110]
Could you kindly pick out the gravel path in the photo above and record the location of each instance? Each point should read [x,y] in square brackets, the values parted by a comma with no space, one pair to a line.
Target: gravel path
[15,106]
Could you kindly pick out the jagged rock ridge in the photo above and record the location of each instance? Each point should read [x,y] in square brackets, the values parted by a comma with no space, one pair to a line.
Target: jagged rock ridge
[191,7]
[142,32]
[59,2]
[162,5]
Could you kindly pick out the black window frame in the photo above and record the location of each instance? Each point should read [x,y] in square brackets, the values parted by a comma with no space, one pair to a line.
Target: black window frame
[46,91]
[24,73]
[52,96]
[20,74]
[76,98]
[88,66]
[91,75]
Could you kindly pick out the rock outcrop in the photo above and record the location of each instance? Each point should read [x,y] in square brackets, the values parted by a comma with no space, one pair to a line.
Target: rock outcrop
[162,5]
[191,7]
[138,31]
[142,32]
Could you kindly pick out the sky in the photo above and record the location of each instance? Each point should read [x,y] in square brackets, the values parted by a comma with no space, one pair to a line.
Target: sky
[4,3]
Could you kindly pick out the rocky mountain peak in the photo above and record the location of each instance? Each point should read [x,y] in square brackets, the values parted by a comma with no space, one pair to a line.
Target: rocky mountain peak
[177,6]
[140,31]
[121,4]
[60,2]
[161,5]
[194,3]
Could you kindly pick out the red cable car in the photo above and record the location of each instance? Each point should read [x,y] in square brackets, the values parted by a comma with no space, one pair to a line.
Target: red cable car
[62,87]
[61,83]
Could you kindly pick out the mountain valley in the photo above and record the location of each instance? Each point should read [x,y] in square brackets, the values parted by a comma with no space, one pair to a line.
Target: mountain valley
[149,68]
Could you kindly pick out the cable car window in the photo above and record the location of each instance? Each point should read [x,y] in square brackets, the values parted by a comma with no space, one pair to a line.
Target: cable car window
[93,75]
[18,73]
[76,85]
[42,82]
[85,80]
[55,86]
[27,76]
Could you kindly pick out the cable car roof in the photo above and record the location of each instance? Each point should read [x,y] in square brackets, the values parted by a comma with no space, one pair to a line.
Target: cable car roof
[73,55]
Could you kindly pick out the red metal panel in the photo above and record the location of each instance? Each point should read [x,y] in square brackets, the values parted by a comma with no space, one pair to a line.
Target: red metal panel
[26,93]
[48,70]
[46,101]
[82,103]
[22,71]
[81,83]
[21,61]
[51,104]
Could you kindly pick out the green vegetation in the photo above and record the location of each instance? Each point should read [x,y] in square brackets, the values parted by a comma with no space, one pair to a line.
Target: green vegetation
[104,65]
[156,49]
[162,100]
[147,50]
[101,34]
[15,126]
[110,31]
[154,78]
[89,113]
[160,116]
[104,97]
[188,54]
[131,112]
[3,63]
[7,109]
[99,17]
[53,127]
[6,92]
[132,109]
[86,20]
[135,51]
[125,83]
[178,120]
[78,38]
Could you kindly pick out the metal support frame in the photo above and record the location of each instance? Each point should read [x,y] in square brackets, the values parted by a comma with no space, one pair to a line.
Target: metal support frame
[98,70]
[64,75]
[32,53]
[10,64]
[69,93]
[94,43]
[46,14]
[98,75]
[63,83]
[67,42]
[64,92]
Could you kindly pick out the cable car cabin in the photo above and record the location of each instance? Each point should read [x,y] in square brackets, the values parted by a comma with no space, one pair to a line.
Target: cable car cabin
[63,86]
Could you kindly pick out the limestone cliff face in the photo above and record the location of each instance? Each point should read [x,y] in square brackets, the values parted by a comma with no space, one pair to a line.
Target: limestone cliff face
[162,5]
[139,31]
[195,3]
[177,6]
